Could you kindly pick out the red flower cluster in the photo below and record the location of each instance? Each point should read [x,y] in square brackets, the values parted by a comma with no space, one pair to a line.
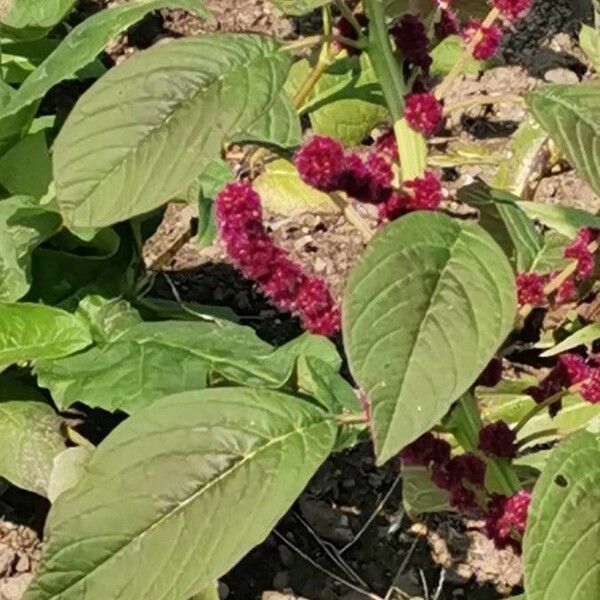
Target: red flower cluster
[344,28]
[248,244]
[512,9]
[386,145]
[447,25]
[570,370]
[411,39]
[447,473]
[323,164]
[579,250]
[422,193]
[507,518]
[489,43]
[497,440]
[530,286]
[423,112]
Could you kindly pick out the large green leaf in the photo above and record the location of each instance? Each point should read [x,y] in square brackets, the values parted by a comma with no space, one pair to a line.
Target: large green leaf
[23,225]
[145,130]
[68,469]
[33,332]
[82,45]
[30,19]
[204,477]
[31,437]
[424,311]
[280,126]
[562,539]
[571,115]
[299,7]
[151,360]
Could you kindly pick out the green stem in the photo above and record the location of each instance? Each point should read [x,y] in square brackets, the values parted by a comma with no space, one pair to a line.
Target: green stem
[539,408]
[349,15]
[532,437]
[359,419]
[383,60]
[412,147]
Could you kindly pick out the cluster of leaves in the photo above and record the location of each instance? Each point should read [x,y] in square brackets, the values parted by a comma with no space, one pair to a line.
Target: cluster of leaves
[220,423]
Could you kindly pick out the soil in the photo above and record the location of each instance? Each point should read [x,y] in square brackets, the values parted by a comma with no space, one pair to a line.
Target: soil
[339,529]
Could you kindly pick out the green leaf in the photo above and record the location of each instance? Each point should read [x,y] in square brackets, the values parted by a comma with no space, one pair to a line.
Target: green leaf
[179,100]
[70,269]
[31,438]
[563,219]
[68,469]
[448,52]
[510,227]
[586,335]
[23,225]
[27,167]
[551,256]
[422,317]
[514,174]
[562,541]
[419,494]
[81,46]
[589,40]
[187,469]
[30,19]
[571,115]
[33,332]
[280,126]
[17,124]
[283,192]
[299,7]
[157,309]
[107,319]
[151,360]
[347,102]
[19,59]
[211,592]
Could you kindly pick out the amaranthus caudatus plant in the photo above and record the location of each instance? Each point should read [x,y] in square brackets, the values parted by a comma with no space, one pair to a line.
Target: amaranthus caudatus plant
[218,431]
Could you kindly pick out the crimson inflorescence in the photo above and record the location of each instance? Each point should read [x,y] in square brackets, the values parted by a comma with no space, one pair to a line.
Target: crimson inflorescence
[506,519]
[324,164]
[447,25]
[320,162]
[457,475]
[342,27]
[423,112]
[497,440]
[492,374]
[249,246]
[512,9]
[490,40]
[386,145]
[411,39]
[530,286]
[579,250]
[570,370]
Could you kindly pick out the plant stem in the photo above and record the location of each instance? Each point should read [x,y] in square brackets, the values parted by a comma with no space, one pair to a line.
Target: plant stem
[537,435]
[307,42]
[483,99]
[351,419]
[352,216]
[459,65]
[309,83]
[539,408]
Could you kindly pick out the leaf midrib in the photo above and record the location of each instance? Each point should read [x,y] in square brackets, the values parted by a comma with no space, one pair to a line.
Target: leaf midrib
[193,497]
[166,121]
